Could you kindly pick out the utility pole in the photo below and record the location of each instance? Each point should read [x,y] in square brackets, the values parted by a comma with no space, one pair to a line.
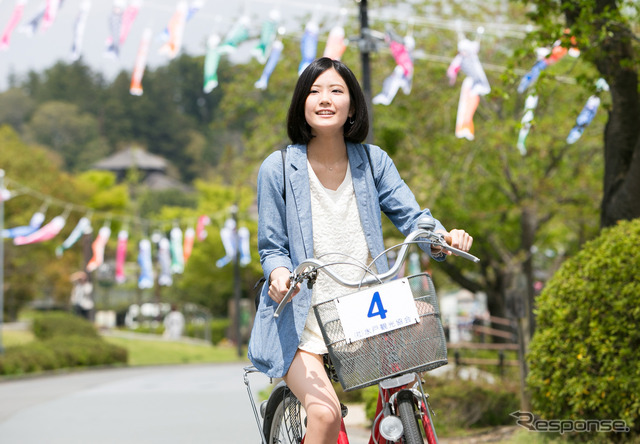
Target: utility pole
[366,46]
[236,277]
[1,260]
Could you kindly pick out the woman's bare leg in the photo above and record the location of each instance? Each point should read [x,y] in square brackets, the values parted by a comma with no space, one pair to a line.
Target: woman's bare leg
[308,380]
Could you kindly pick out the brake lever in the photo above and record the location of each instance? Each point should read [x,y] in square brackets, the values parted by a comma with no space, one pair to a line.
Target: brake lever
[462,254]
[287,297]
[310,276]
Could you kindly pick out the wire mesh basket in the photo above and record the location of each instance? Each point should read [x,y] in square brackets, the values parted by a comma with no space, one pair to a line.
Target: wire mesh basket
[417,347]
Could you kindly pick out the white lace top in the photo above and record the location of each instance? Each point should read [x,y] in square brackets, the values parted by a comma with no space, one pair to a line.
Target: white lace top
[336,229]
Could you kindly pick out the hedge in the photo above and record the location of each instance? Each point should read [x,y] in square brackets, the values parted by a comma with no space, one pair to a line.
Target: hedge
[461,404]
[59,323]
[218,328]
[583,358]
[63,341]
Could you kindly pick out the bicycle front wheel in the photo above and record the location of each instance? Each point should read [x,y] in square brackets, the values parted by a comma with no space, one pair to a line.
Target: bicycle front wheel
[407,413]
[283,417]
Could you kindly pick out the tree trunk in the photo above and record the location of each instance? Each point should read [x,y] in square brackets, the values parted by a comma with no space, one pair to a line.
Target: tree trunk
[529,224]
[615,60]
[621,194]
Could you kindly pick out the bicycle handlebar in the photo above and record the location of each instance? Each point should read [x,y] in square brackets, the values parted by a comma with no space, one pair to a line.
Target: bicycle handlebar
[424,232]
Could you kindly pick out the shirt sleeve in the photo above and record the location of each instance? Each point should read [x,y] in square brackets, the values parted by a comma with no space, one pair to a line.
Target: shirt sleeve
[397,201]
[273,241]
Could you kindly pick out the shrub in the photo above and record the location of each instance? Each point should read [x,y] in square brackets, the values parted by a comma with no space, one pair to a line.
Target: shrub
[60,352]
[463,404]
[79,351]
[583,357]
[28,358]
[63,341]
[460,404]
[218,330]
[52,324]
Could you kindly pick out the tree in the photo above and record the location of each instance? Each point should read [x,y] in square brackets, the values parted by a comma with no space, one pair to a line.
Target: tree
[152,121]
[73,134]
[606,31]
[15,108]
[203,282]
[74,83]
[30,272]
[184,76]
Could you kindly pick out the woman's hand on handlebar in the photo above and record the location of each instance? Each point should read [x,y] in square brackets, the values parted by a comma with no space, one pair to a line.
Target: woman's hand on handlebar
[459,239]
[280,283]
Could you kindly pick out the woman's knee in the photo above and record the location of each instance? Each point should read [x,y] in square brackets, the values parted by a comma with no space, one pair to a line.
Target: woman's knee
[325,415]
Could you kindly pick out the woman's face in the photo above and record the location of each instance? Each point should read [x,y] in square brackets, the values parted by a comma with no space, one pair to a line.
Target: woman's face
[328,104]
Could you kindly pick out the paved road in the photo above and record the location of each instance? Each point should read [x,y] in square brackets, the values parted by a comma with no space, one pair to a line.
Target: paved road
[166,404]
[172,404]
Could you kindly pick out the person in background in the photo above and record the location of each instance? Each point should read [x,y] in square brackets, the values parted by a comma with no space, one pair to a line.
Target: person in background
[173,324]
[81,295]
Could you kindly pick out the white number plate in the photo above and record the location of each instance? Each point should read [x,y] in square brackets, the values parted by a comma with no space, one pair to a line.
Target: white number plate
[377,310]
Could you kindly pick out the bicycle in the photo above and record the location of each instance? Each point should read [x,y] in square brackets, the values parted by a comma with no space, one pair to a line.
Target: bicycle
[364,351]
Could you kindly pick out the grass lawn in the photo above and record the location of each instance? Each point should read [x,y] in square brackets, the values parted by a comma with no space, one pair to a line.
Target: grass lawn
[146,352]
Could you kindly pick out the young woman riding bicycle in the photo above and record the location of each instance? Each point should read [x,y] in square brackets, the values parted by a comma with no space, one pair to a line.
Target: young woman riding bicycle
[327,197]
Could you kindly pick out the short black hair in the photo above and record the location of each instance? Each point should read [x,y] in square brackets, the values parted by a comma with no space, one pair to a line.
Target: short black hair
[299,130]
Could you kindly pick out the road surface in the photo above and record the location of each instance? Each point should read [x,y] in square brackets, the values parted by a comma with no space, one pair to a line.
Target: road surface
[192,404]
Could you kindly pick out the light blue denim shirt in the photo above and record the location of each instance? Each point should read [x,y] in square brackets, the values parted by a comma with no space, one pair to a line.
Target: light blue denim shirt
[285,237]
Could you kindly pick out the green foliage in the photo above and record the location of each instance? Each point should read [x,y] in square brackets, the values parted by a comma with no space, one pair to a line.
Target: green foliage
[72,83]
[460,404]
[202,282]
[63,341]
[583,358]
[29,270]
[59,353]
[15,107]
[471,404]
[66,130]
[370,398]
[593,25]
[54,324]
[486,186]
[218,329]
[105,193]
[160,352]
[157,120]
[205,284]
[606,33]
[99,180]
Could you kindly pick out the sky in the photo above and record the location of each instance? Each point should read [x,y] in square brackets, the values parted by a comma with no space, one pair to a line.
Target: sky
[53,44]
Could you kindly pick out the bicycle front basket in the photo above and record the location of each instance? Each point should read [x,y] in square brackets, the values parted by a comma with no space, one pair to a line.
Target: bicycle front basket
[417,347]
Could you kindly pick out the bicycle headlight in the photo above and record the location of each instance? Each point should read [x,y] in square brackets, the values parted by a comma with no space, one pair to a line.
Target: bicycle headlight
[391,428]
